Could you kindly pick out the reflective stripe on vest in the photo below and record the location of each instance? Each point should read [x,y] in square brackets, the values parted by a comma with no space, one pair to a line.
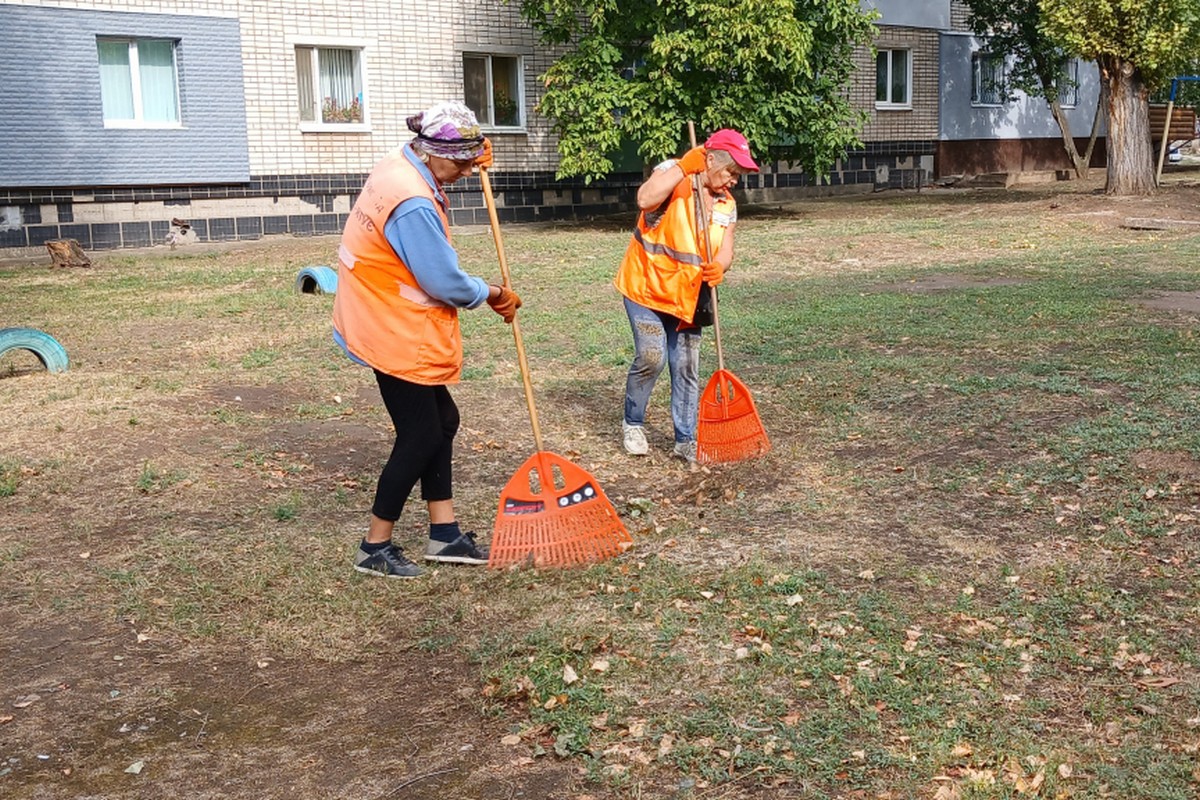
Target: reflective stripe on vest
[661,267]
[381,313]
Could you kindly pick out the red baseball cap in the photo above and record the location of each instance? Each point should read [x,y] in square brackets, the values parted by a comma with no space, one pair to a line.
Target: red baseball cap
[735,144]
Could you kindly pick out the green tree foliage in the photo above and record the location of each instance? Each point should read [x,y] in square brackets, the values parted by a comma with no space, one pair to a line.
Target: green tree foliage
[1139,45]
[1014,28]
[1158,38]
[639,70]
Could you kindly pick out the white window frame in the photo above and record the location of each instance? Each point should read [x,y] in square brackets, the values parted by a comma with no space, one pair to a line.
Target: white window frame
[135,79]
[1000,89]
[315,43]
[488,55]
[891,105]
[1068,96]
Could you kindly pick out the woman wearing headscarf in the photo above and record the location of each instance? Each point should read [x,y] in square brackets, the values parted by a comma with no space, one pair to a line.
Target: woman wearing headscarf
[400,287]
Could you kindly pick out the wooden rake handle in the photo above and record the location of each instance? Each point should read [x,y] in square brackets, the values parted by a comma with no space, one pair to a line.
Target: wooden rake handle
[702,235]
[516,327]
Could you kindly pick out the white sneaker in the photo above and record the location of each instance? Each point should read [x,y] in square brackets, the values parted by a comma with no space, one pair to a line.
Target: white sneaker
[686,451]
[635,439]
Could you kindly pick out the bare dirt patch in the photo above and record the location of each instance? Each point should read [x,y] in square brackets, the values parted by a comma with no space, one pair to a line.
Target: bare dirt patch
[1185,302]
[93,711]
[942,283]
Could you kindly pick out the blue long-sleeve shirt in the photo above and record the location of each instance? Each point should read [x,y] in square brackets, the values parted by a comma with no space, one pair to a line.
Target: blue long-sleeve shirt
[414,230]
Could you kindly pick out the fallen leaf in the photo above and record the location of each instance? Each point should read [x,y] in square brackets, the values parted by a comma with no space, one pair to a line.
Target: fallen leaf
[511,739]
[794,600]
[26,700]
[136,767]
[1064,771]
[600,665]
[980,777]
[569,675]
[947,791]
[961,750]
[666,745]
[6,718]
[867,574]
[1158,683]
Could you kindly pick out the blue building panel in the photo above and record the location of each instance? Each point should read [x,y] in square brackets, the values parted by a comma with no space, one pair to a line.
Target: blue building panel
[52,130]
[1021,117]
[934,14]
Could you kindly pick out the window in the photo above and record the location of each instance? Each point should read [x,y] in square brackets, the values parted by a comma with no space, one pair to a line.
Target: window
[893,78]
[492,85]
[1068,83]
[138,83]
[989,79]
[330,87]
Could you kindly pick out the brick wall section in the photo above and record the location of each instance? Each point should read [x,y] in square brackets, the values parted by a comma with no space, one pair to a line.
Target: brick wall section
[303,183]
[958,16]
[413,58]
[921,122]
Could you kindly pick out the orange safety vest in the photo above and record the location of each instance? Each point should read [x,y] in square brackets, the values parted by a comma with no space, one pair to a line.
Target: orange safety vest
[381,313]
[662,265]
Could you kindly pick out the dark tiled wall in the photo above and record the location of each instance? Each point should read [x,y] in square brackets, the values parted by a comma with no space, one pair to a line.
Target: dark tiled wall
[522,197]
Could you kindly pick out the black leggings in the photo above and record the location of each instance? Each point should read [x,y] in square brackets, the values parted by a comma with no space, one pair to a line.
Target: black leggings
[425,419]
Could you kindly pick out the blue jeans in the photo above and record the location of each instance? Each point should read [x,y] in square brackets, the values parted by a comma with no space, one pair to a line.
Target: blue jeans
[656,335]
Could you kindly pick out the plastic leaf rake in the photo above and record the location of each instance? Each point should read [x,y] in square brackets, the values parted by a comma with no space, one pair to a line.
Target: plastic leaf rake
[552,512]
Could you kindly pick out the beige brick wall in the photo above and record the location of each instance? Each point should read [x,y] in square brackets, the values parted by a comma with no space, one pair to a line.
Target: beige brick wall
[413,58]
[958,16]
[921,122]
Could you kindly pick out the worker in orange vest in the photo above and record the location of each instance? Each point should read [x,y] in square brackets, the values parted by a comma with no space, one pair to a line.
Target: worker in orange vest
[400,287]
[663,276]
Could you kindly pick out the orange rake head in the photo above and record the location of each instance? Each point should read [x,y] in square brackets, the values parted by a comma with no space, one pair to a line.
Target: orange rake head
[729,427]
[554,514]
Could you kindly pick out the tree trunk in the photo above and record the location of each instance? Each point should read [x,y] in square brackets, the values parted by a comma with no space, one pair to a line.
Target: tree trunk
[67,253]
[1064,127]
[1130,155]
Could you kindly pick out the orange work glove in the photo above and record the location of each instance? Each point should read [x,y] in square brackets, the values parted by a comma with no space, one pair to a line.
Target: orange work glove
[712,273]
[694,161]
[484,159]
[505,303]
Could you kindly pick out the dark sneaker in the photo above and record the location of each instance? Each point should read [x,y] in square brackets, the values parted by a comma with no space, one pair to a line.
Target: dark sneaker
[462,550]
[390,562]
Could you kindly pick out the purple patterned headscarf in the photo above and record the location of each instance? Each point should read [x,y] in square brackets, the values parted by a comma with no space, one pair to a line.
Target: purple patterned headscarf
[447,130]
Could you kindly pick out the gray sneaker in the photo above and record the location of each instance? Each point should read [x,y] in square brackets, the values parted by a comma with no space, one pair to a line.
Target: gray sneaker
[390,562]
[462,550]
[686,451]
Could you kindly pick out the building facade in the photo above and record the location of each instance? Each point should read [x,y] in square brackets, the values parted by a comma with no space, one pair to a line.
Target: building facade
[218,120]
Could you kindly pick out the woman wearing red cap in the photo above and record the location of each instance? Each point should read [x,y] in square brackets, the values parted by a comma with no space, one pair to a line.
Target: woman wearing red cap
[662,273]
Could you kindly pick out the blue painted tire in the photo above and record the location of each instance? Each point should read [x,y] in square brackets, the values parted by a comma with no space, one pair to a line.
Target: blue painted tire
[316,280]
[52,354]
